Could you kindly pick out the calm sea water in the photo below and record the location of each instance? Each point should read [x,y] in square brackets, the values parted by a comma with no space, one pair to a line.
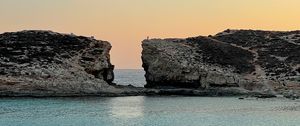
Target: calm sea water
[148,111]
[134,77]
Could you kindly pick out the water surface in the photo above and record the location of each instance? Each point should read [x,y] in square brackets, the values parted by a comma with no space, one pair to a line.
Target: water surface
[148,111]
[133,77]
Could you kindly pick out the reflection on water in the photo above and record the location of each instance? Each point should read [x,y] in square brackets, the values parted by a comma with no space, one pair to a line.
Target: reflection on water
[127,107]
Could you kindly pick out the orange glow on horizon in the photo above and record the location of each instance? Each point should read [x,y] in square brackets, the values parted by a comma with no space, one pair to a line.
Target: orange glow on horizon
[125,23]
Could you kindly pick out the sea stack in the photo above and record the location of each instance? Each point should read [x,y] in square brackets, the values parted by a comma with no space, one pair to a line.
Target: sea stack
[251,60]
[46,63]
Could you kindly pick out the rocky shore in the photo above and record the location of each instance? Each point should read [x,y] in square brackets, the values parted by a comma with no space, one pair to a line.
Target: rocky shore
[46,63]
[266,62]
[232,63]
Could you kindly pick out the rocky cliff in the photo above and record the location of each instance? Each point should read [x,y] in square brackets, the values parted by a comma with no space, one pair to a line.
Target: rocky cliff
[248,60]
[45,63]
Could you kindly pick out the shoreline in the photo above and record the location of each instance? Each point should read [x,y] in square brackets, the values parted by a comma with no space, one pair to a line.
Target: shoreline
[131,91]
[125,91]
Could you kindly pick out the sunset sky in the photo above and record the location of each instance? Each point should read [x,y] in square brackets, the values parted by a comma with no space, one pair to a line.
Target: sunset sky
[125,23]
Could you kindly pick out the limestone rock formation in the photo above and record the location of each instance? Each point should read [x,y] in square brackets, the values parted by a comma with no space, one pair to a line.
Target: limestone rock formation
[262,61]
[45,63]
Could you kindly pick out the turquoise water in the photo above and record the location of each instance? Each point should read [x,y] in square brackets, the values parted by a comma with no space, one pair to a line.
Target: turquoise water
[148,111]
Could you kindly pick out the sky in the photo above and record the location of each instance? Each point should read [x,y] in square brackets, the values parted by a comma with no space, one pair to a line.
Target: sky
[125,23]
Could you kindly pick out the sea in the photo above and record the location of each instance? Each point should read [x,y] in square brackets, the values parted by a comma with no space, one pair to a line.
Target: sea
[148,111]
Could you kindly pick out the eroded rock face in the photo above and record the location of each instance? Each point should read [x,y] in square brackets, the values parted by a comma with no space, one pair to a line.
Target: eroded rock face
[45,63]
[261,61]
